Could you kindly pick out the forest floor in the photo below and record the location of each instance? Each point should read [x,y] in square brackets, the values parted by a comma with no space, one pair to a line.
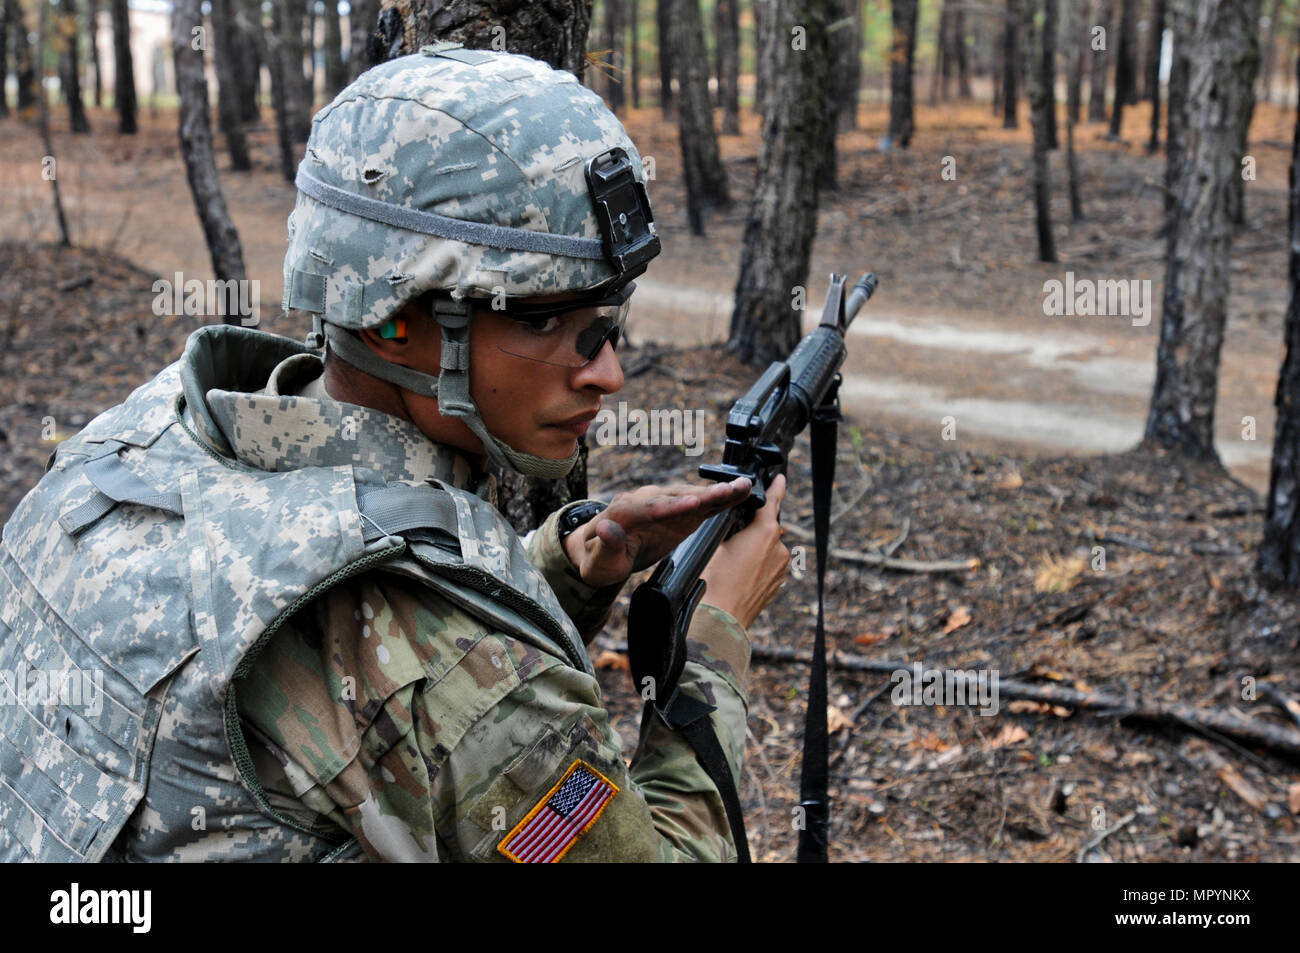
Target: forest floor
[957,329]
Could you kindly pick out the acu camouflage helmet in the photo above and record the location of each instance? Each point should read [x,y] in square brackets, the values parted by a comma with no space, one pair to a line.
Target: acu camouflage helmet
[471,174]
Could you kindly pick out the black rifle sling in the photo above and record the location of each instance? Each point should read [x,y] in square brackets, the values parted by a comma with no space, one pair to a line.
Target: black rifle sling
[813,781]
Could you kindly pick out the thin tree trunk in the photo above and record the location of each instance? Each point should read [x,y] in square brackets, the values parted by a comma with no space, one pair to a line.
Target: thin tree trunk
[763,12]
[726,31]
[617,95]
[309,52]
[92,40]
[663,36]
[296,87]
[940,68]
[999,70]
[42,34]
[1076,22]
[706,180]
[1176,118]
[1124,79]
[1279,553]
[336,76]
[250,54]
[634,49]
[1100,61]
[1237,194]
[1197,273]
[963,55]
[123,69]
[281,98]
[1010,65]
[24,60]
[1270,49]
[843,48]
[70,65]
[783,218]
[1153,71]
[1049,70]
[196,148]
[4,59]
[848,115]
[228,94]
[902,113]
[1036,48]
[361,22]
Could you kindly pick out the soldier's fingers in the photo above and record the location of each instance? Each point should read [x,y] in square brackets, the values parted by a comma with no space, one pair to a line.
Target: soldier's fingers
[775,495]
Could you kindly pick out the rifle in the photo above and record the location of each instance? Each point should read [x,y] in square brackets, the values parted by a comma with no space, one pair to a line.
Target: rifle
[761,430]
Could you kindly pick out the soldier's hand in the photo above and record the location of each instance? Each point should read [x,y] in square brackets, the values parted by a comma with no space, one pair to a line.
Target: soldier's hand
[747,570]
[640,528]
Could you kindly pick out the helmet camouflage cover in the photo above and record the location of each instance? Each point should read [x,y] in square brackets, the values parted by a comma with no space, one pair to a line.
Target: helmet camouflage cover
[488,151]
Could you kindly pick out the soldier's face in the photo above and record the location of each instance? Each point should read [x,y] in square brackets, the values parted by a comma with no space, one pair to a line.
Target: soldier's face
[534,407]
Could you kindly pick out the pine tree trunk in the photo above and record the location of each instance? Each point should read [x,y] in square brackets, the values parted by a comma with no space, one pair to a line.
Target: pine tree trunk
[361,23]
[1010,65]
[763,53]
[281,98]
[663,37]
[92,43]
[296,91]
[1279,553]
[615,40]
[1036,48]
[939,74]
[1048,80]
[783,218]
[1100,61]
[123,70]
[4,60]
[1153,71]
[853,73]
[963,54]
[228,92]
[42,35]
[335,75]
[902,113]
[1124,69]
[706,179]
[70,65]
[253,34]
[727,36]
[1270,50]
[1237,194]
[1076,22]
[843,48]
[1219,41]
[634,50]
[1177,12]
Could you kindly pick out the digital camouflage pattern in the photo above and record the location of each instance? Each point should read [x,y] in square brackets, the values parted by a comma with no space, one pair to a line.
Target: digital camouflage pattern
[395,716]
[494,138]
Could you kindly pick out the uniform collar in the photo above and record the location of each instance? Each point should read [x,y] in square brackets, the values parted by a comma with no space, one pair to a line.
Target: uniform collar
[287,421]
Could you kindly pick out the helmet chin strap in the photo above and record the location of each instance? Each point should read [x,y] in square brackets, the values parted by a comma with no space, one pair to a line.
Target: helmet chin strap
[451,386]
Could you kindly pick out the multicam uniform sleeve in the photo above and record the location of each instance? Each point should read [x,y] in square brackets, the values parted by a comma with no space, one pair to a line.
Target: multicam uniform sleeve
[587,606]
[401,719]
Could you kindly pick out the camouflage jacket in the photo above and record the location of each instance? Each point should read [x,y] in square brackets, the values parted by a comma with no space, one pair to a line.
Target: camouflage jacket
[246,715]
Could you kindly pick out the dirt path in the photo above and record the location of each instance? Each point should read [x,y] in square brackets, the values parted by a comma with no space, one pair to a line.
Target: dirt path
[957,329]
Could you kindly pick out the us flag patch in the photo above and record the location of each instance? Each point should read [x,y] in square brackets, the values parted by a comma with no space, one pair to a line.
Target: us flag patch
[548,831]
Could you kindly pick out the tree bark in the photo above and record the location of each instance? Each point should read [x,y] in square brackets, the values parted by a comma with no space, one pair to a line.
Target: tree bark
[848,114]
[123,70]
[1270,50]
[634,49]
[228,93]
[1124,68]
[1100,61]
[726,31]
[335,75]
[763,11]
[1237,194]
[783,217]
[1153,71]
[281,98]
[1076,22]
[940,74]
[196,148]
[297,90]
[663,36]
[70,65]
[1048,80]
[42,34]
[250,54]
[902,113]
[963,54]
[4,59]
[1279,553]
[706,179]
[1197,273]
[839,98]
[1176,116]
[92,41]
[1036,47]
[1010,65]
[361,22]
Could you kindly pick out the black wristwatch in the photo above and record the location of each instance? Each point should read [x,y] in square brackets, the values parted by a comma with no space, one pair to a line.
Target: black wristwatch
[578,516]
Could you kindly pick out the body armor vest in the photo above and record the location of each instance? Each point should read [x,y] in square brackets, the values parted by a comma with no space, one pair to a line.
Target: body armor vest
[138,580]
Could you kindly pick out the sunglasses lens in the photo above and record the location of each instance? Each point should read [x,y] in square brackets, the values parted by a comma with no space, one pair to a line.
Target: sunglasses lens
[568,339]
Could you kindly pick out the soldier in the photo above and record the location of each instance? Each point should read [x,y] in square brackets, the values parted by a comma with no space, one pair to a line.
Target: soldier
[317,639]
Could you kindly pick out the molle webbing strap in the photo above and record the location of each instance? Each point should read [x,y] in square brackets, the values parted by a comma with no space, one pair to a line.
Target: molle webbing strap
[394,510]
[114,484]
[442,226]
